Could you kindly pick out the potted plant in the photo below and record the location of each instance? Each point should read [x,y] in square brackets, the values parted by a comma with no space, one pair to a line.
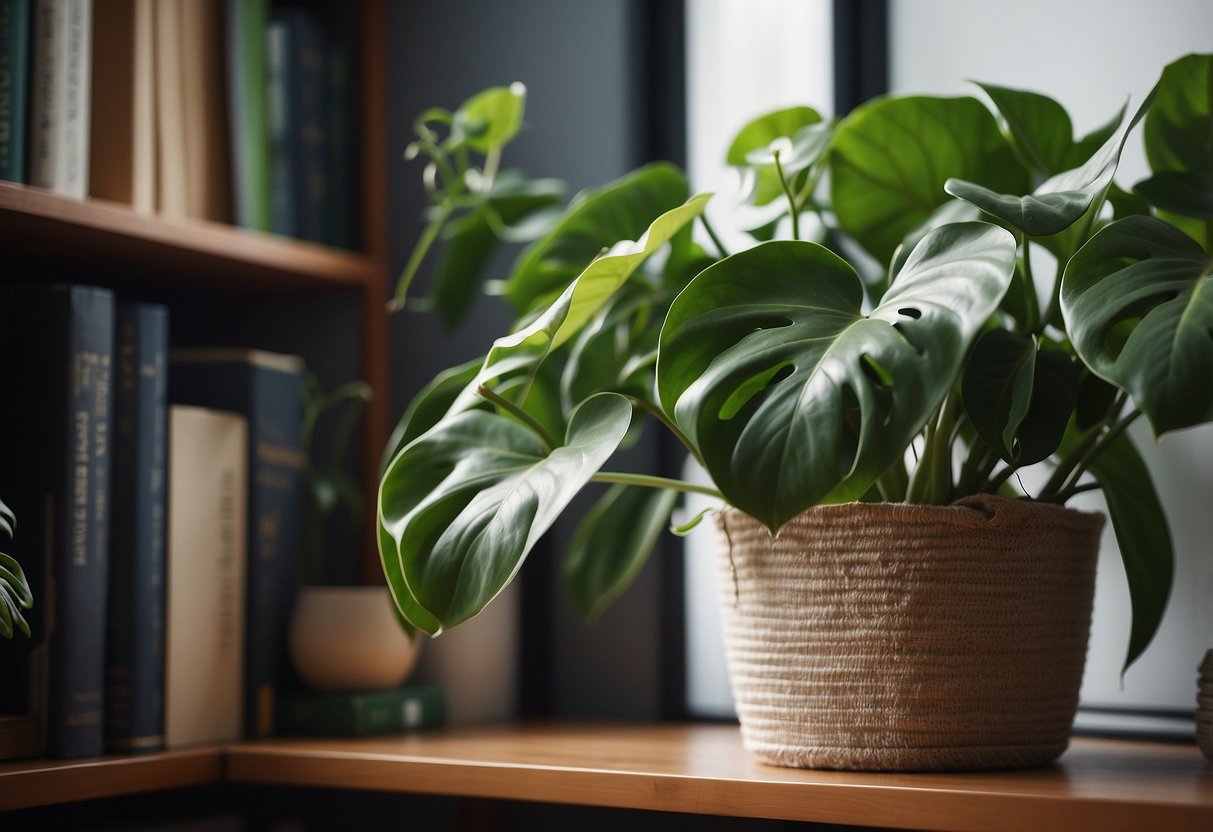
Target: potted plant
[340,638]
[864,404]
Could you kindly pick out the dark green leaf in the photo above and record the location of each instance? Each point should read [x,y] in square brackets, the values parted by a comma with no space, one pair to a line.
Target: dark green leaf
[461,506]
[1095,398]
[891,157]
[469,242]
[1178,131]
[1126,204]
[1138,306]
[791,393]
[997,388]
[430,405]
[612,544]
[596,221]
[1180,192]
[1142,534]
[1054,391]
[1040,128]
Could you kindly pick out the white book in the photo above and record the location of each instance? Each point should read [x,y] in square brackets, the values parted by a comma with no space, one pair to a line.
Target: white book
[204,611]
[60,100]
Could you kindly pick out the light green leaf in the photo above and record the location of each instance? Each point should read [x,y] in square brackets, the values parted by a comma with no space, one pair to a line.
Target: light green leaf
[463,504]
[759,135]
[891,158]
[612,544]
[684,529]
[596,221]
[487,121]
[793,395]
[524,350]
[1138,306]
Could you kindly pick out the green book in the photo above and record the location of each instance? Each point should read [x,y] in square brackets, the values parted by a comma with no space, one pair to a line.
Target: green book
[361,714]
[14,75]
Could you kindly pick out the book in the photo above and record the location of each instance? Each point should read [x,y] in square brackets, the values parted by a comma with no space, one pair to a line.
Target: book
[134,689]
[204,599]
[60,96]
[122,141]
[191,115]
[245,47]
[57,341]
[14,76]
[341,120]
[299,180]
[267,389]
[362,714]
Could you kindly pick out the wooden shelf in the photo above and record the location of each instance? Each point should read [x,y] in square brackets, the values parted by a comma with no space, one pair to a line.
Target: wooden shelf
[26,784]
[696,769]
[179,253]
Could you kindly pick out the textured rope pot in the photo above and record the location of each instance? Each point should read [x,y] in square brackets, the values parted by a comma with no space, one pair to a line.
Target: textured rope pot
[904,637]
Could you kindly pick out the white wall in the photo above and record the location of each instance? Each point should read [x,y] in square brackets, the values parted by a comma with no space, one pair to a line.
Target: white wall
[1089,55]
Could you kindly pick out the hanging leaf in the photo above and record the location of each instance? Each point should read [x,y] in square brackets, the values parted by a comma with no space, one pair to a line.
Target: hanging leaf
[1138,305]
[463,504]
[891,158]
[596,221]
[793,395]
[612,544]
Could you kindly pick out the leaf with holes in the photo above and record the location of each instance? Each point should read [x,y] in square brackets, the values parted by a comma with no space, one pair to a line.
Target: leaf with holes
[791,394]
[462,505]
[1137,300]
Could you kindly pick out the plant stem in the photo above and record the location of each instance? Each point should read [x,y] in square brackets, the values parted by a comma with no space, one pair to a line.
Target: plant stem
[649,481]
[1074,458]
[518,413]
[1063,496]
[1105,438]
[428,236]
[1033,323]
[707,226]
[659,414]
[794,209]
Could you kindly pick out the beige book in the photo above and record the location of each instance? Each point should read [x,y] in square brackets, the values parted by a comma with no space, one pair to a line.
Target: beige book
[204,609]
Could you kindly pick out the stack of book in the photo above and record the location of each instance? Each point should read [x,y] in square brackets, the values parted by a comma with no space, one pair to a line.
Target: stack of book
[230,111]
[157,496]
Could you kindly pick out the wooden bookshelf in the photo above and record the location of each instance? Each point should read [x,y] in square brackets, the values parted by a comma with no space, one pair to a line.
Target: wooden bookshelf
[688,768]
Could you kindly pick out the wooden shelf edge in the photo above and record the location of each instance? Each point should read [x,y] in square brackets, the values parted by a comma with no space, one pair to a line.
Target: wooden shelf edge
[179,252]
[30,784]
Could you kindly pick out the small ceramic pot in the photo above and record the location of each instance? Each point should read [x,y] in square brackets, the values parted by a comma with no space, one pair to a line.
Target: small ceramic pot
[346,639]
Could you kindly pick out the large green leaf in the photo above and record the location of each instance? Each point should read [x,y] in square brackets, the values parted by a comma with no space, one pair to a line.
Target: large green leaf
[760,134]
[596,221]
[1138,305]
[462,505]
[525,349]
[1040,128]
[1018,398]
[1180,192]
[612,544]
[793,395]
[1142,535]
[1178,131]
[1061,199]
[891,158]
[469,241]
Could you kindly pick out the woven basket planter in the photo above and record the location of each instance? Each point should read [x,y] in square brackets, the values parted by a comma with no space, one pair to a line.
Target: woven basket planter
[885,636]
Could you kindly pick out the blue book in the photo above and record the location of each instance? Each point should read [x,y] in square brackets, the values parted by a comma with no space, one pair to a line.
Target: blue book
[267,389]
[134,690]
[57,341]
[14,78]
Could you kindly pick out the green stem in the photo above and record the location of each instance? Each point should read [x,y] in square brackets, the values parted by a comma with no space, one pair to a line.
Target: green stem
[707,226]
[659,414]
[648,481]
[1071,461]
[1064,496]
[428,236]
[1033,323]
[787,192]
[1105,438]
[518,413]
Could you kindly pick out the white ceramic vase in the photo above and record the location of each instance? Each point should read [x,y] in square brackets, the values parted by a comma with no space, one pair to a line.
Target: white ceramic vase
[346,639]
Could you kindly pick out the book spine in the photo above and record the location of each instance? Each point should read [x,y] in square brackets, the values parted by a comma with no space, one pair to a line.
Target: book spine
[14,67]
[61,96]
[134,694]
[271,401]
[309,93]
[204,655]
[245,48]
[342,117]
[283,196]
[363,714]
[59,342]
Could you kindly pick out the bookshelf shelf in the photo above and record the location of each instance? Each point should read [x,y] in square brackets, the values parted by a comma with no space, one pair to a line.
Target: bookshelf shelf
[689,768]
[181,253]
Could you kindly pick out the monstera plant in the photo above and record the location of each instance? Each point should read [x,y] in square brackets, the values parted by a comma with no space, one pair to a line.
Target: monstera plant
[940,293]
[15,594]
